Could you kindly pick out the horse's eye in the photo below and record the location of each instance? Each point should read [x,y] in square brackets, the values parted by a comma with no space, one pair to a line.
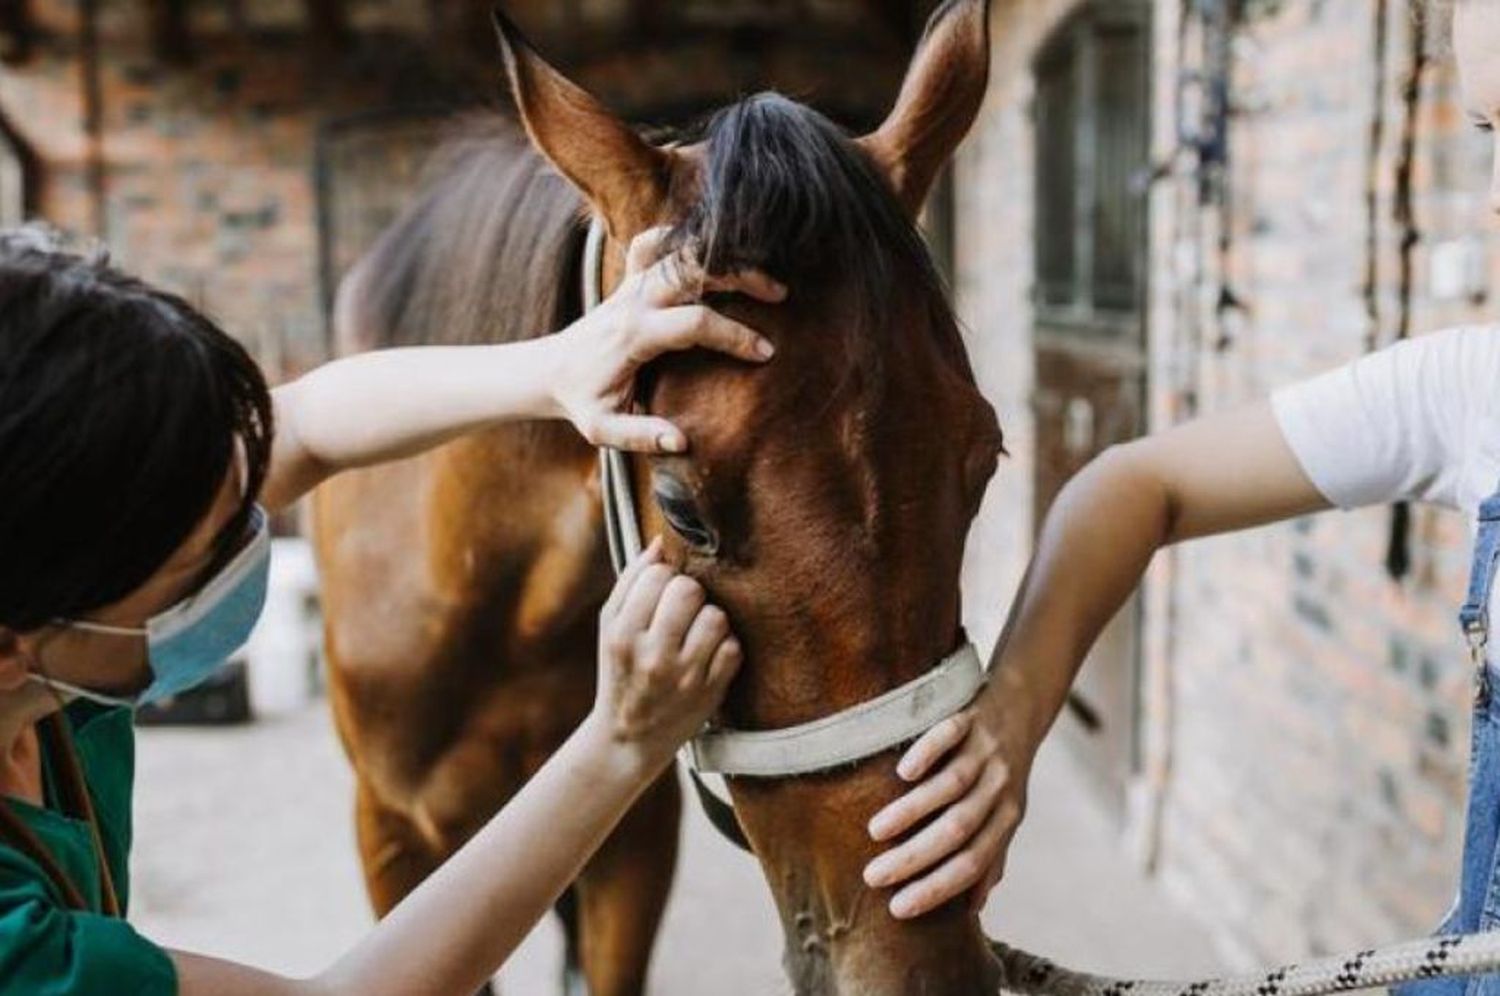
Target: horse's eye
[681,512]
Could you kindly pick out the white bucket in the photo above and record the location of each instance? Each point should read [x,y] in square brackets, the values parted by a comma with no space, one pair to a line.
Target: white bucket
[284,653]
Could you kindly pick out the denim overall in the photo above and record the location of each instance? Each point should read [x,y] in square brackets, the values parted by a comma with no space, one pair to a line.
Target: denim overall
[1478,905]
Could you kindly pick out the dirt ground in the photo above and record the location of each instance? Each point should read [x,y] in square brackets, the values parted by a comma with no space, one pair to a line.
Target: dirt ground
[244,849]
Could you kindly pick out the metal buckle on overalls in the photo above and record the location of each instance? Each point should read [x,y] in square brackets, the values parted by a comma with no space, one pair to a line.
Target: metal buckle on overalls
[1477,633]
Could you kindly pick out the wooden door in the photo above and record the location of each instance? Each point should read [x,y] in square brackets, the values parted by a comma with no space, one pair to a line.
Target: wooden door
[1092,143]
[369,168]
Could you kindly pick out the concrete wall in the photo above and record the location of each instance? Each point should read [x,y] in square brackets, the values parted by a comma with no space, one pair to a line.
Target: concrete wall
[198,177]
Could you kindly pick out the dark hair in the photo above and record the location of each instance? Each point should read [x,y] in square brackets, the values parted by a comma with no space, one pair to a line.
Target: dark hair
[785,190]
[121,410]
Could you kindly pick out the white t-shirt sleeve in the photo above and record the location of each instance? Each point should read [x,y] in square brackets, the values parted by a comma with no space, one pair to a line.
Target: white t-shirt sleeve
[1397,425]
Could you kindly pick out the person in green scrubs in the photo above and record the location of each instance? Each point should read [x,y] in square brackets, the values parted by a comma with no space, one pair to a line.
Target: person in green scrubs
[140,454]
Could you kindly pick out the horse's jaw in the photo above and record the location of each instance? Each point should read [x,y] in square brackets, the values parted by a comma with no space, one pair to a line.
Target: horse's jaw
[840,938]
[941,954]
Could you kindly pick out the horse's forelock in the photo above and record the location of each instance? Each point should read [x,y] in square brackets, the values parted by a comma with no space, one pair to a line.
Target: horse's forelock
[783,189]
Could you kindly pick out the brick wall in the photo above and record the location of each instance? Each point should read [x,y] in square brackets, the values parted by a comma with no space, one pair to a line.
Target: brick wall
[1304,718]
[202,177]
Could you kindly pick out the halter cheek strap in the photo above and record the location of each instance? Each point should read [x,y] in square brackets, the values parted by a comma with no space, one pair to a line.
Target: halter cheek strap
[622,527]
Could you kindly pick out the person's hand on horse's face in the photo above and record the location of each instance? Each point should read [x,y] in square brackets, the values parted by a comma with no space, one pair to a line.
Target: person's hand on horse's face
[970,772]
[666,658]
[655,310]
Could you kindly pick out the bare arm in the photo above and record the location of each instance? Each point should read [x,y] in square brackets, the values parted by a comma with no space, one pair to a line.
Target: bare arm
[394,403]
[1225,472]
[665,660]
[1221,474]
[456,930]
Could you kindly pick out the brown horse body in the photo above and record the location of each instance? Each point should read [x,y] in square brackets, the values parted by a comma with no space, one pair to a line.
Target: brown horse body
[837,484]
[461,588]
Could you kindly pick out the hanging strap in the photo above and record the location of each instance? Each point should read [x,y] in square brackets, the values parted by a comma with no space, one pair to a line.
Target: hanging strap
[56,736]
[720,813]
[18,835]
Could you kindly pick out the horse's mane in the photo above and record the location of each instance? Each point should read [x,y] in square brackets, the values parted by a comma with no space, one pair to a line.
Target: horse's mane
[486,253]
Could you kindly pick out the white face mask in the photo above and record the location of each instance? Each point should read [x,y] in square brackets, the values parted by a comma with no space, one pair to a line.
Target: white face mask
[187,643]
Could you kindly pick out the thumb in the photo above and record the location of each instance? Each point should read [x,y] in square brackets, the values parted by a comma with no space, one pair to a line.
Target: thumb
[639,434]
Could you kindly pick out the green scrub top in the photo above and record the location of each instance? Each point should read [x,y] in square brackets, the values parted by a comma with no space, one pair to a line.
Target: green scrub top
[47,949]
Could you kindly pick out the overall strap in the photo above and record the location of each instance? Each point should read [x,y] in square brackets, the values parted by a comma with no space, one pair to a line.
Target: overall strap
[1474,616]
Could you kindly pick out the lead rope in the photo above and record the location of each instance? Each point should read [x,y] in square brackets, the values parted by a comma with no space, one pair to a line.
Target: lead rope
[1429,958]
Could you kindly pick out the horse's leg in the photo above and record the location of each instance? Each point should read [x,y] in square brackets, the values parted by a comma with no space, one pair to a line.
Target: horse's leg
[394,857]
[623,891]
[566,909]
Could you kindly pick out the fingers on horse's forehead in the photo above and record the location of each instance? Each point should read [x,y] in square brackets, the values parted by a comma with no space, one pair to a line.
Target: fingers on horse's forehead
[714,434]
[710,398]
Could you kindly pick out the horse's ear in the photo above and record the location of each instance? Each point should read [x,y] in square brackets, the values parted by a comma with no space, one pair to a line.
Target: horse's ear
[624,178]
[938,102]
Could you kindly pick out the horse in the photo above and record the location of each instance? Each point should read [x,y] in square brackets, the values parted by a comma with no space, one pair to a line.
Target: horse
[824,500]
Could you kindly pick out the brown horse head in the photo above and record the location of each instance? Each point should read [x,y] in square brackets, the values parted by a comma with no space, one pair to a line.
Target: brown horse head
[826,497]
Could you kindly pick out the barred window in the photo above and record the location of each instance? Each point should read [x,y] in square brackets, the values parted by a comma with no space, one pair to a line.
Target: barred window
[1091,116]
[369,165]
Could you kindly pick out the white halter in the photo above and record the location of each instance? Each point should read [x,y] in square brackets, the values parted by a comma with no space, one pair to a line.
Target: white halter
[895,718]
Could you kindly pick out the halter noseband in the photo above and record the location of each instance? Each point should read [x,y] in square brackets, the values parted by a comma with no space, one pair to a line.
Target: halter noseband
[854,734]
